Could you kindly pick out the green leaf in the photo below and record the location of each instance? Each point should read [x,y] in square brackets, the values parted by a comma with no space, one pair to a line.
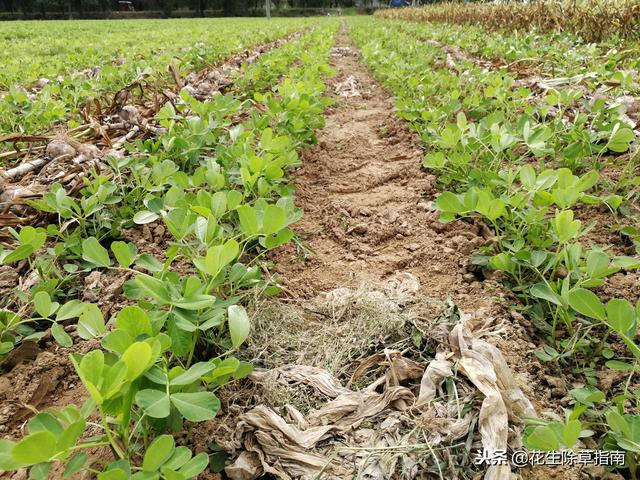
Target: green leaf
[217,458]
[619,366]
[620,139]
[116,474]
[91,366]
[282,237]
[273,220]
[137,358]
[184,320]
[233,199]
[435,160]
[528,177]
[492,208]
[145,216]
[587,181]
[61,336]
[248,219]
[618,423]
[75,464]
[196,407]
[36,448]
[219,204]
[134,321]
[502,262]
[196,302]
[168,474]
[154,403]
[587,303]
[225,368]
[43,304]
[124,253]
[565,226]
[71,309]
[117,341]
[90,322]
[149,262]
[571,433]
[40,471]
[193,374]
[626,263]
[154,287]
[243,370]
[541,438]
[5,347]
[32,236]
[229,252]
[158,452]
[544,292]
[449,202]
[69,437]
[115,376]
[181,455]
[20,253]
[95,253]
[239,325]
[195,466]
[45,422]
[587,396]
[180,339]
[620,315]
[7,462]
[597,263]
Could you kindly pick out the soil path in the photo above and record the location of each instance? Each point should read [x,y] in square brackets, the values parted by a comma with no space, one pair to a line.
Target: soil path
[368,215]
[367,203]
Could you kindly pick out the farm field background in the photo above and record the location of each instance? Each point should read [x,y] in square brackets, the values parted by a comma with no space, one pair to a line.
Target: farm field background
[320,247]
[69,64]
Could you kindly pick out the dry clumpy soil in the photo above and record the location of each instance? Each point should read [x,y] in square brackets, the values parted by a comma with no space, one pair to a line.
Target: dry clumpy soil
[368,215]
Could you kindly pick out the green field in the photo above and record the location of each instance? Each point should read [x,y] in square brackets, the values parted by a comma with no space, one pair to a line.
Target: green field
[153,177]
[86,59]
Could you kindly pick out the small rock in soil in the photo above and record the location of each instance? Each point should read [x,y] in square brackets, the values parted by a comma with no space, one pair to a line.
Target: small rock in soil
[359,229]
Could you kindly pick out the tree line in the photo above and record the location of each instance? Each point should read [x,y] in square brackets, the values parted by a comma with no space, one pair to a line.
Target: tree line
[101,8]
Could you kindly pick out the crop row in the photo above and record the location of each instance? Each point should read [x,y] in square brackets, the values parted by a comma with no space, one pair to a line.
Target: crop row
[56,74]
[549,54]
[216,180]
[521,162]
[594,20]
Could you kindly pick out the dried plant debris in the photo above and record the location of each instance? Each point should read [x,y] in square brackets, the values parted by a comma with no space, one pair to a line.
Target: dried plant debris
[416,404]
[349,88]
[344,52]
[583,18]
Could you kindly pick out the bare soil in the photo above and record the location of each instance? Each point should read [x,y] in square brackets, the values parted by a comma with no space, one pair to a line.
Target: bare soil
[367,204]
[368,216]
